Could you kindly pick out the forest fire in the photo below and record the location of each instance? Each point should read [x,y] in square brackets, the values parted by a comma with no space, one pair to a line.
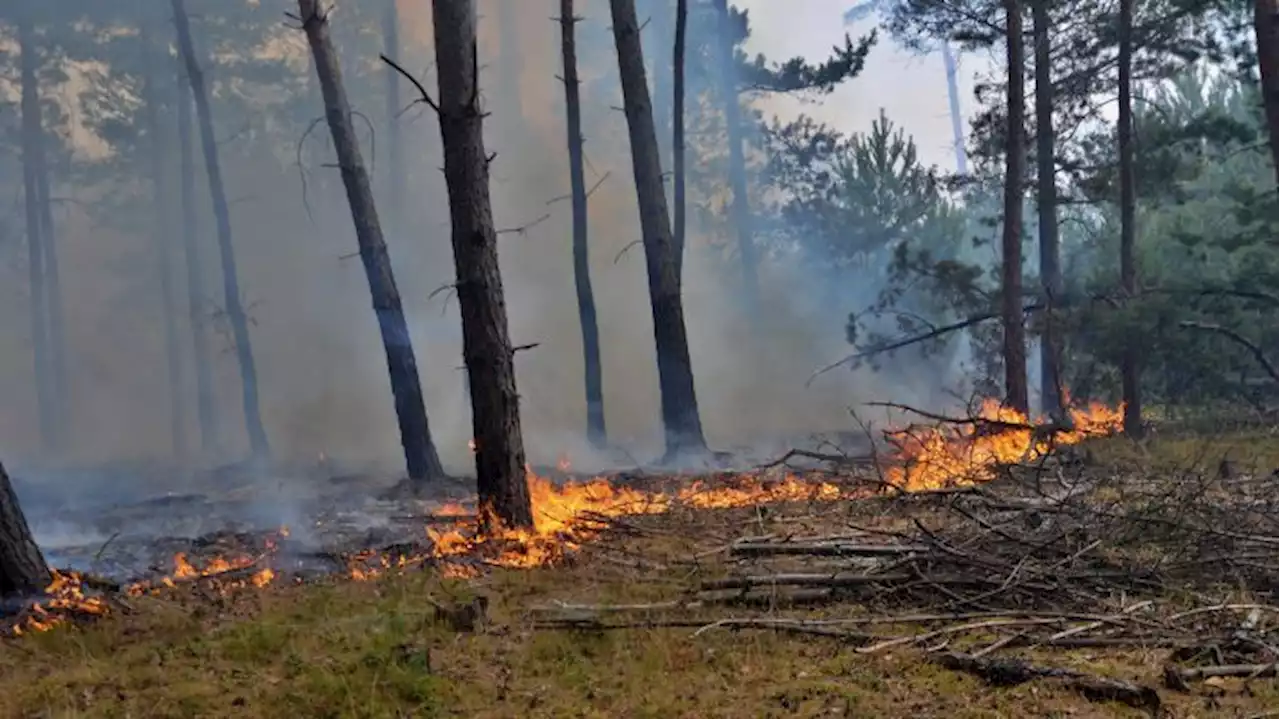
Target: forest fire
[568,515]
[926,458]
[939,456]
[66,597]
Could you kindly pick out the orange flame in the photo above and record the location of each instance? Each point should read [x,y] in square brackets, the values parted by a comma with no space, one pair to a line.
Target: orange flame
[928,458]
[940,457]
[562,514]
[65,596]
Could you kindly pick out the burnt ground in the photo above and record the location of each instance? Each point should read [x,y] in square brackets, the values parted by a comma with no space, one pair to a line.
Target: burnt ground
[126,523]
[126,538]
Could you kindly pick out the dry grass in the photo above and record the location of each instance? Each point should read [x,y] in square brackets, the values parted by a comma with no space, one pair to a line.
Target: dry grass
[376,649]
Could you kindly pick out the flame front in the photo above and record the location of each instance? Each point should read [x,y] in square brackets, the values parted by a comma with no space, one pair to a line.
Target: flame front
[562,515]
[65,596]
[928,458]
[567,515]
[937,457]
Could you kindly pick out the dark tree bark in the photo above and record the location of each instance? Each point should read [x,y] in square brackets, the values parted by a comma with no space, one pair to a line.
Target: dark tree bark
[205,411]
[45,398]
[593,378]
[677,133]
[1129,369]
[1014,345]
[1047,210]
[415,434]
[681,423]
[22,566]
[162,197]
[1266,30]
[222,218]
[739,210]
[486,345]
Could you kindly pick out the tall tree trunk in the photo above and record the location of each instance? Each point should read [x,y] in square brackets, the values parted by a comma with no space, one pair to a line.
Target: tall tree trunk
[56,316]
[45,400]
[486,344]
[739,210]
[953,103]
[1129,369]
[22,566]
[1047,209]
[509,57]
[680,420]
[663,74]
[396,176]
[1014,346]
[1266,30]
[677,133]
[58,382]
[197,314]
[222,217]
[592,369]
[162,197]
[415,434]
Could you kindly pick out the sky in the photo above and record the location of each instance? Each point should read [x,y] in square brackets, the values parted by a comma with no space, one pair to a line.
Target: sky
[912,89]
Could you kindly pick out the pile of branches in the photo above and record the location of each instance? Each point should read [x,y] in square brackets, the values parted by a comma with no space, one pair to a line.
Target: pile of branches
[1060,554]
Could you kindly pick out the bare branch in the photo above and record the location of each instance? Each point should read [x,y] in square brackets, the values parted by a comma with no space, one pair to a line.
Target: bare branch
[1239,339]
[425,96]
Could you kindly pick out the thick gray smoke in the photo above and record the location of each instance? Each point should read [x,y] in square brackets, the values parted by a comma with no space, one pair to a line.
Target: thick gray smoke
[324,387]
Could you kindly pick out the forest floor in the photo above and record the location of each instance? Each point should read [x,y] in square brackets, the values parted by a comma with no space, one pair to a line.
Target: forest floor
[659,616]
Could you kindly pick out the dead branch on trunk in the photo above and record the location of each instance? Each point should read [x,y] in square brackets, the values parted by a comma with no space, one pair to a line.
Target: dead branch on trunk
[935,333]
[1239,339]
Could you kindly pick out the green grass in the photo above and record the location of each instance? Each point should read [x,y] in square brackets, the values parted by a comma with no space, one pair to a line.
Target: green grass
[1250,451]
[374,650]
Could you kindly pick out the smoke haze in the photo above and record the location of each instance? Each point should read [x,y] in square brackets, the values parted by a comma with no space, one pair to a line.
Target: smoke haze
[323,380]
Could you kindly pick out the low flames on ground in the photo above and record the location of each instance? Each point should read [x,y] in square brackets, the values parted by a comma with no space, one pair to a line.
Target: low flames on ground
[570,514]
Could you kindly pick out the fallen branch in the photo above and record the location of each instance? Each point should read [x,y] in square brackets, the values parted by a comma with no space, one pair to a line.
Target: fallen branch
[822,549]
[818,456]
[791,626]
[1011,672]
[800,580]
[1176,678]
[912,639]
[977,421]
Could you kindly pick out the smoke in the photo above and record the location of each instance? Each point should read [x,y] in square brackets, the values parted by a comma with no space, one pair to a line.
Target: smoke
[323,380]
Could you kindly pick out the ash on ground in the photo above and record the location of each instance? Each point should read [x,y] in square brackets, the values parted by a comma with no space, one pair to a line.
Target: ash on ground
[124,534]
